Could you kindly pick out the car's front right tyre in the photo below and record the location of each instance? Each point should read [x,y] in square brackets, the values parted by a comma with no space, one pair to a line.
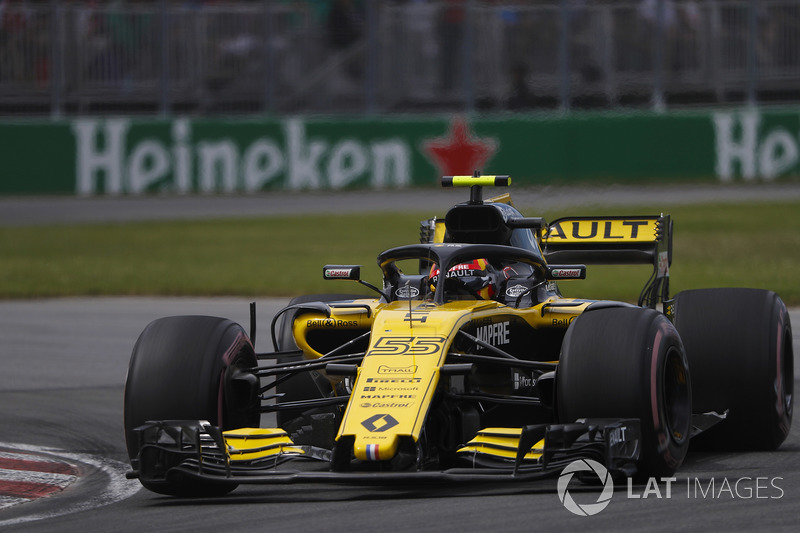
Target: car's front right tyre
[190,368]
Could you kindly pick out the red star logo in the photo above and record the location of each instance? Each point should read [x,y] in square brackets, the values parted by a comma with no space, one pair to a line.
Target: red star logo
[459,153]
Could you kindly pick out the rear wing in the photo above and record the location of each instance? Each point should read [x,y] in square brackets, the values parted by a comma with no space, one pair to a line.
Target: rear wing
[615,240]
[607,240]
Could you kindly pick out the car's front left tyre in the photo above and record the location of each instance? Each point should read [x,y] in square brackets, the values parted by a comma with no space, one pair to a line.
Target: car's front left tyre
[629,363]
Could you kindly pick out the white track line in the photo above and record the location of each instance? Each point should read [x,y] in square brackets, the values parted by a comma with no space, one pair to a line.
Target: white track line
[59,480]
[9,501]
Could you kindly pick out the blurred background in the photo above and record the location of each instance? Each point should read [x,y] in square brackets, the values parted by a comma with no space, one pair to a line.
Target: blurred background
[159,96]
[587,101]
[279,57]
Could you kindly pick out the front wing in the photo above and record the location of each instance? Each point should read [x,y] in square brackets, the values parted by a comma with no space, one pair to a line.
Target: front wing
[173,450]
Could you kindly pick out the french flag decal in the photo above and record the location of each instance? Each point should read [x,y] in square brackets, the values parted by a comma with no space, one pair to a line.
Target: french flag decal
[372,452]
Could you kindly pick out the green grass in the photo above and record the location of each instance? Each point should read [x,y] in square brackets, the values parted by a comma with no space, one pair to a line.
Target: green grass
[753,245]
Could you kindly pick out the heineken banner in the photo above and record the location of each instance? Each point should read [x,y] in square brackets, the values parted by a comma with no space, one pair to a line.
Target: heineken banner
[112,156]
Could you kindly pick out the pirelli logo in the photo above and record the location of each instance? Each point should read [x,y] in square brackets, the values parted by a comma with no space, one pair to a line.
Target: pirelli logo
[643,229]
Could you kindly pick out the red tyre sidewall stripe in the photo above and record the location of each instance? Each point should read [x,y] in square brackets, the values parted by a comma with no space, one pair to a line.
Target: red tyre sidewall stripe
[654,386]
[239,342]
[779,400]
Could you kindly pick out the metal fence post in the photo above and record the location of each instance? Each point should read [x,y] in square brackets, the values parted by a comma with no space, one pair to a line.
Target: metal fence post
[164,99]
[467,58]
[57,46]
[564,67]
[371,58]
[269,58]
[752,66]
[658,56]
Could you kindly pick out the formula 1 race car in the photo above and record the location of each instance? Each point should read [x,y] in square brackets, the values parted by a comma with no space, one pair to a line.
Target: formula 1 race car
[468,364]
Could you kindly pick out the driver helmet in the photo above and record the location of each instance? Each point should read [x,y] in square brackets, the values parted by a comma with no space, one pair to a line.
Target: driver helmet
[477,276]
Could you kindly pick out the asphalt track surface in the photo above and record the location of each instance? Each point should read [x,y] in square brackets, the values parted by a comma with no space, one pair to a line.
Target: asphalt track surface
[70,210]
[62,369]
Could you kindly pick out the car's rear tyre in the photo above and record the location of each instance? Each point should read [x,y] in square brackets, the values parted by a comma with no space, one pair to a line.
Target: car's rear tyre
[190,368]
[629,363]
[305,385]
[739,345]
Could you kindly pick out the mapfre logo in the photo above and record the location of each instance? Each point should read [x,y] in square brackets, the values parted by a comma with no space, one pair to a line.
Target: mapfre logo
[586,509]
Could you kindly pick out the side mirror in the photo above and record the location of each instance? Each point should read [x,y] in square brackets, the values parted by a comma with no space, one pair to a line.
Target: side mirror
[351,272]
[534,223]
[557,272]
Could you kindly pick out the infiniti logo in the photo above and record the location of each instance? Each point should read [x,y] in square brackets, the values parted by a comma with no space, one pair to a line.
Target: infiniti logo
[585,465]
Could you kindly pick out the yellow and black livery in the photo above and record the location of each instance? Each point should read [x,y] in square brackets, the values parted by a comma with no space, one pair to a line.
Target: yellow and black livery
[468,363]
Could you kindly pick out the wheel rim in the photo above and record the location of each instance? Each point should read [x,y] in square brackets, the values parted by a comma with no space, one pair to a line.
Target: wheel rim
[677,397]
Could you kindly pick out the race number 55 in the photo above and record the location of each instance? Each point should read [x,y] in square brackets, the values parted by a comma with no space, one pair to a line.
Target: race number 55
[407,346]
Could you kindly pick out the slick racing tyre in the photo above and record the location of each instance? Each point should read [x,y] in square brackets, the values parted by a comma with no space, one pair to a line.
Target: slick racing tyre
[304,385]
[191,368]
[629,363]
[739,345]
